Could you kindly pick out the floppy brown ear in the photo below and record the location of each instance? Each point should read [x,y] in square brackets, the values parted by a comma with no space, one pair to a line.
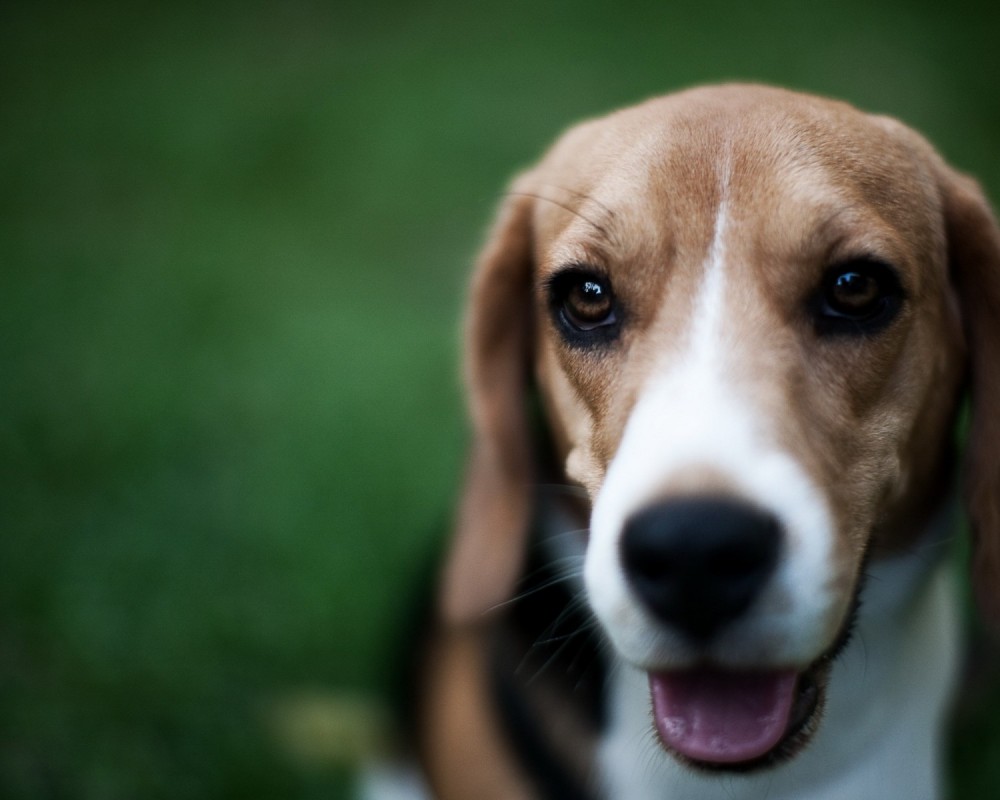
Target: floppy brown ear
[974,255]
[495,506]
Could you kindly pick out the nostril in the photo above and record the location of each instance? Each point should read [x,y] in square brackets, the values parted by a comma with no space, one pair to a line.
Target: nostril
[748,547]
[699,562]
[647,560]
[730,565]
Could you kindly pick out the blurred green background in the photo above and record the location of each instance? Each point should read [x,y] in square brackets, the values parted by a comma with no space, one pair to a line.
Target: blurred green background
[233,243]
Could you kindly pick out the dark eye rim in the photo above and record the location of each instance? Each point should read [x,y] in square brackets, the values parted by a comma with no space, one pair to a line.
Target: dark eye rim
[876,317]
[557,289]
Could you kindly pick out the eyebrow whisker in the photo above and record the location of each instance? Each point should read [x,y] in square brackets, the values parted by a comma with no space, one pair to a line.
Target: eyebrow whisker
[600,228]
[583,196]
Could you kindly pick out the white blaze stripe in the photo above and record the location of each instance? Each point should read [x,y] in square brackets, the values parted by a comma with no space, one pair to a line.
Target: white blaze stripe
[707,319]
[690,414]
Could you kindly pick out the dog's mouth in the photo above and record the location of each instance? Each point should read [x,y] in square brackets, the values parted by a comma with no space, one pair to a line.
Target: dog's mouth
[721,719]
[743,720]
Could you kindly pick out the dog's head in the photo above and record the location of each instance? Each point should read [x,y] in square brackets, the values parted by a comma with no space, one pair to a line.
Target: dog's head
[750,316]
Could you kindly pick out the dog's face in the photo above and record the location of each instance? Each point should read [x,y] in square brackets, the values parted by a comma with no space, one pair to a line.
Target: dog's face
[746,336]
[747,329]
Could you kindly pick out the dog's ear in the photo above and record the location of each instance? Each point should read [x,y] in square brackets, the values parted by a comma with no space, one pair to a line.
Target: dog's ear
[974,256]
[495,506]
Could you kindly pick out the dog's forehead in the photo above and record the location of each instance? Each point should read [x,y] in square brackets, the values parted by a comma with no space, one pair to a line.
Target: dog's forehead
[766,150]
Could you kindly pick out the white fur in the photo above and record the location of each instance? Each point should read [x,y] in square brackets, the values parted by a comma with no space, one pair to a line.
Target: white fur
[391,780]
[691,415]
[880,736]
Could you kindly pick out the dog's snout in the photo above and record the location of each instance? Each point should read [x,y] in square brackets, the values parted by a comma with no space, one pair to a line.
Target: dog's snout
[698,563]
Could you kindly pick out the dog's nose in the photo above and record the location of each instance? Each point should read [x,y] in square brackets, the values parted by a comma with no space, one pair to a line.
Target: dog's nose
[699,562]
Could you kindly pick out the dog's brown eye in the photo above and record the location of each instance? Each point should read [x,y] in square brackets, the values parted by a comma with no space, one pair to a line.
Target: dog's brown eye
[859,297]
[853,293]
[583,306]
[588,305]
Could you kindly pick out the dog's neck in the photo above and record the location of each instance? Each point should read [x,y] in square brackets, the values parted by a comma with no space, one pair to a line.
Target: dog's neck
[880,732]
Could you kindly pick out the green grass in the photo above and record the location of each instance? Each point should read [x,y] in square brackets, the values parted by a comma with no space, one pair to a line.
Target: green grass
[233,242]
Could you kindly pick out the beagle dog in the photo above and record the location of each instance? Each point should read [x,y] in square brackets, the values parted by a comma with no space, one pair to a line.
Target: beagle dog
[715,350]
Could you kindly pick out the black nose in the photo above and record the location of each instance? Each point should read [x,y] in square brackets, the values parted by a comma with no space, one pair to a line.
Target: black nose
[699,562]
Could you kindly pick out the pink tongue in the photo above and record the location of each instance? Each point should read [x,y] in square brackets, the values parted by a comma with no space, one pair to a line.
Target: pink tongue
[722,717]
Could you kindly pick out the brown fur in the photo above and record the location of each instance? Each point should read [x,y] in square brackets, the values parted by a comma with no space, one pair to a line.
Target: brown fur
[974,252]
[465,755]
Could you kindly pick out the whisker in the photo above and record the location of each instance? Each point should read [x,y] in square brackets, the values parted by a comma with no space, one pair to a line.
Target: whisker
[583,196]
[554,656]
[532,591]
[548,663]
[550,636]
[569,533]
[564,488]
[564,206]
[941,543]
[567,568]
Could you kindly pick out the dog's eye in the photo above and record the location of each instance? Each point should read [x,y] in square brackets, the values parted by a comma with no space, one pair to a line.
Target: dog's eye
[589,304]
[853,294]
[584,306]
[859,297]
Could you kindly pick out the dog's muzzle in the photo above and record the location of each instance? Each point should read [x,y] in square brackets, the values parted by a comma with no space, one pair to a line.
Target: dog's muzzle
[698,564]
